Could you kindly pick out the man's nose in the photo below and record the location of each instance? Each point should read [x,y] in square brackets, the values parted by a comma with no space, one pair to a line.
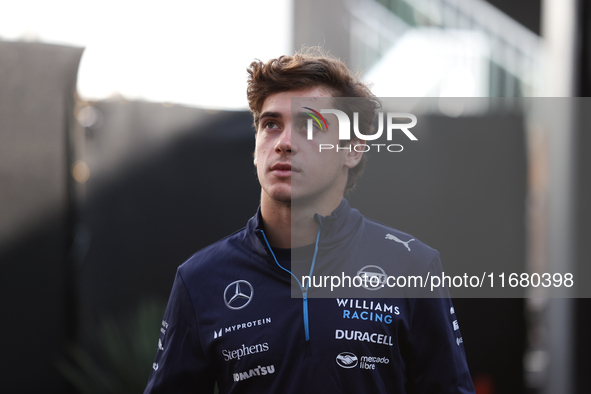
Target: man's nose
[284,142]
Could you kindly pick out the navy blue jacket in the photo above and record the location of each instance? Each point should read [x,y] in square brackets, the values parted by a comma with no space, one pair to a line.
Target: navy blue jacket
[233,317]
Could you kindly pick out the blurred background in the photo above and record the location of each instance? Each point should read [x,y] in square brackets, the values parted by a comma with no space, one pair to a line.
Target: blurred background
[125,147]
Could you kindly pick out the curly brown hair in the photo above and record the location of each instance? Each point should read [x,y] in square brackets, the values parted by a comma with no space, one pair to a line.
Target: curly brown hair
[310,68]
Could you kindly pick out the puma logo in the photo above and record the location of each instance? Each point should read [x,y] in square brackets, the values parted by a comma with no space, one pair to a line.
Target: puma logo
[393,238]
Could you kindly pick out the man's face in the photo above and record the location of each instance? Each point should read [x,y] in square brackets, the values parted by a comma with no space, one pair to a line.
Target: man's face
[290,167]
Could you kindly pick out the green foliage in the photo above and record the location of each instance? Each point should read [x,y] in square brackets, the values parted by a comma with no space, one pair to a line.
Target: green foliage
[125,351]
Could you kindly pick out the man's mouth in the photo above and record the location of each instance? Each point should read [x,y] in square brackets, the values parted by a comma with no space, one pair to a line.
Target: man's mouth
[281,169]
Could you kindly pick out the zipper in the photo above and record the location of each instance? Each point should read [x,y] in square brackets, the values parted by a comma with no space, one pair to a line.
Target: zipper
[303,289]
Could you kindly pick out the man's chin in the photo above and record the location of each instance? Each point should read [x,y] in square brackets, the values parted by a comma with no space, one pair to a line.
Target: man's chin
[281,196]
[283,199]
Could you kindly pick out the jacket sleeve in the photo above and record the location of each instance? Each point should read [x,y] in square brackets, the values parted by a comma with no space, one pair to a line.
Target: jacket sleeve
[180,365]
[435,352]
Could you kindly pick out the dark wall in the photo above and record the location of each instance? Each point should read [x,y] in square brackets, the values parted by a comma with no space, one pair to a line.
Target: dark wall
[583,208]
[147,217]
[583,253]
[37,85]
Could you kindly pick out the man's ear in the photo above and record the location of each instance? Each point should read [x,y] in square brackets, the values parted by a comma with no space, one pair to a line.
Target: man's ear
[354,157]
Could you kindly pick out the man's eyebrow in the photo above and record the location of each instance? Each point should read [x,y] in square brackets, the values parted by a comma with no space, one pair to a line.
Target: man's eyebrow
[270,114]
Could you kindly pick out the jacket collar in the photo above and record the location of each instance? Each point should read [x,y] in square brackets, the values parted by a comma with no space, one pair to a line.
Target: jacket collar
[335,228]
[338,226]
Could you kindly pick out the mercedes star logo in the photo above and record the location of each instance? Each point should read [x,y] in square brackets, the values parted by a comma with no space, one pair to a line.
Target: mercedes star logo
[238,294]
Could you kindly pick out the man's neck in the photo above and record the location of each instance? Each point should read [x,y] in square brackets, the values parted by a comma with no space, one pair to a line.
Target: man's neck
[290,225]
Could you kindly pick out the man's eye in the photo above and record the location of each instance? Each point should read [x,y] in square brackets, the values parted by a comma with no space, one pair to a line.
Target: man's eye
[270,125]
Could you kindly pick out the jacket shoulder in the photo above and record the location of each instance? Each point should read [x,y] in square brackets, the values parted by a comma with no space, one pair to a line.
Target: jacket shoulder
[216,255]
[401,245]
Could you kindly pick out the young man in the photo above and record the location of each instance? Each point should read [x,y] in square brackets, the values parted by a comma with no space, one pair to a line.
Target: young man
[231,317]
